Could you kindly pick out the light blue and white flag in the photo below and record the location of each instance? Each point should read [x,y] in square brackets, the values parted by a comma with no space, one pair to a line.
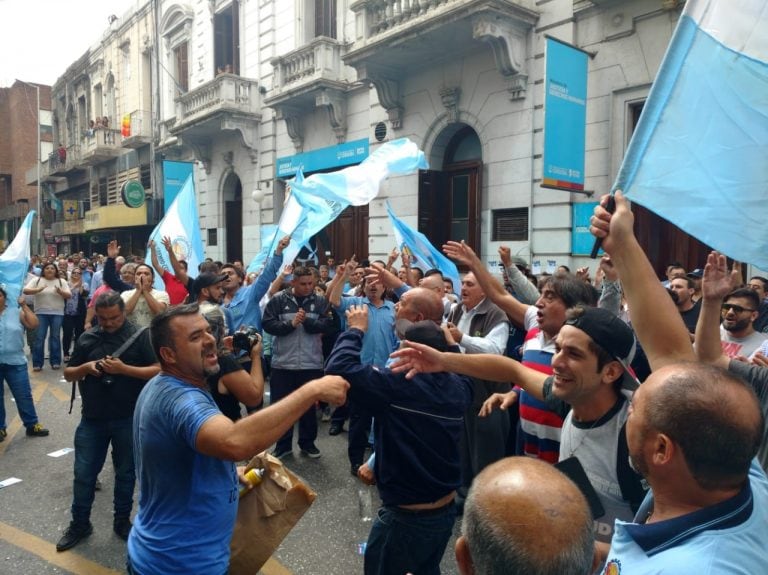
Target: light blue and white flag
[268,239]
[317,200]
[423,254]
[182,224]
[699,155]
[14,262]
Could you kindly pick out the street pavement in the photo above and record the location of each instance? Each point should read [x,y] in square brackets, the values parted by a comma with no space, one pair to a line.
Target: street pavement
[35,511]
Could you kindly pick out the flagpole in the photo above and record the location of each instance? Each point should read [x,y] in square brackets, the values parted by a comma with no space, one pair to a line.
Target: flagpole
[39,159]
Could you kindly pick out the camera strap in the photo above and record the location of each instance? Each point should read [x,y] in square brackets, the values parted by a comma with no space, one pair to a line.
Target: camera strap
[118,352]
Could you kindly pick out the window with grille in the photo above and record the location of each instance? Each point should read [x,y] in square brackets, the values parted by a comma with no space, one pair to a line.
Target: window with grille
[510,225]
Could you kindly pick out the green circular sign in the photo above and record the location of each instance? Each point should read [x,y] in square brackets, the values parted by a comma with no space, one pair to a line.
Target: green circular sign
[133,194]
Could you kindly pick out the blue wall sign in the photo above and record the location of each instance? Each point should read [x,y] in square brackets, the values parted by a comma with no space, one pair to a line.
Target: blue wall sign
[174,176]
[565,116]
[581,240]
[345,154]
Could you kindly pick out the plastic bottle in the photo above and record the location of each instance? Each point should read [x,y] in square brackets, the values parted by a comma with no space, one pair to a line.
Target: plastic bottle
[253,477]
[365,502]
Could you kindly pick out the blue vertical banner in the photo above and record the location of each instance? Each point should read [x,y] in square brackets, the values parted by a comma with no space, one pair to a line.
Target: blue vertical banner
[175,175]
[581,240]
[565,116]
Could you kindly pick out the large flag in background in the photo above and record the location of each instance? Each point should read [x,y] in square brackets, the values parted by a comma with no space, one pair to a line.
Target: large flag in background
[424,255]
[14,261]
[268,237]
[317,200]
[699,155]
[182,224]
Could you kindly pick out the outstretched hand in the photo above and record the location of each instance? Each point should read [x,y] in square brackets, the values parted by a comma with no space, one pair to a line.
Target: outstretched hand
[415,358]
[717,282]
[113,249]
[501,400]
[460,252]
[282,244]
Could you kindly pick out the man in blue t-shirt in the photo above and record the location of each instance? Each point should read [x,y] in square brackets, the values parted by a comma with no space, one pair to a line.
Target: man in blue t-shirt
[185,450]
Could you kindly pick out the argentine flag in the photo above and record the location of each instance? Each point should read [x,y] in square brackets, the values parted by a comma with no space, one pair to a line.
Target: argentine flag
[14,262]
[317,200]
[699,155]
[424,255]
[181,223]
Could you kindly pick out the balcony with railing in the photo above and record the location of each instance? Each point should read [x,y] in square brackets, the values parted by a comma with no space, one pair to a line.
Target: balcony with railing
[304,71]
[398,37]
[59,164]
[100,145]
[225,95]
[228,102]
[140,130]
[314,75]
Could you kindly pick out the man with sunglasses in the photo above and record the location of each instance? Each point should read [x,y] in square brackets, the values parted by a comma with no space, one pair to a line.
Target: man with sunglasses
[737,333]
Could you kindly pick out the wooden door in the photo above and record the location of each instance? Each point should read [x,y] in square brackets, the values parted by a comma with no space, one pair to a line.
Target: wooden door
[664,242]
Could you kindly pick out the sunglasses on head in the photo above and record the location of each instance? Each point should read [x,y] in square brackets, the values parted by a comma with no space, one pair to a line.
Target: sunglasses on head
[736,308]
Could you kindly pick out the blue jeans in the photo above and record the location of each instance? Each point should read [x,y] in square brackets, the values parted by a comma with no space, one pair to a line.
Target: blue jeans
[92,439]
[52,322]
[408,542]
[17,378]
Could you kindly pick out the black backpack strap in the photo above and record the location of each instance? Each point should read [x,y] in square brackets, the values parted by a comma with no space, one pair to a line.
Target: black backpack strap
[72,398]
[126,344]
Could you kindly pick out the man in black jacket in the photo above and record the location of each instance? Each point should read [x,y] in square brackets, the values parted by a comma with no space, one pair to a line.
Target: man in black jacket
[417,428]
[109,388]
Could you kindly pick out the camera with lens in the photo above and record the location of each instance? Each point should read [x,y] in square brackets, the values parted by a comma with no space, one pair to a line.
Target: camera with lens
[106,378]
[245,339]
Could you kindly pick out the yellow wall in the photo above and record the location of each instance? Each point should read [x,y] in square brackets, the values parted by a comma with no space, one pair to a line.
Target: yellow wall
[115,217]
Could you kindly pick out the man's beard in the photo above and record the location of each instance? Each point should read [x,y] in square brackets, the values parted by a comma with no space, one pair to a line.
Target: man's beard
[736,325]
[211,371]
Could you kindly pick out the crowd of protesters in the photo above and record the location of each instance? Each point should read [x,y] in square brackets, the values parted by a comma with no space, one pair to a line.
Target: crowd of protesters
[628,390]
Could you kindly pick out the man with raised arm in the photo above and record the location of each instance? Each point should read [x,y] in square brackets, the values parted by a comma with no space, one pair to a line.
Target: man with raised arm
[417,427]
[185,450]
[176,283]
[693,433]
[538,434]
[716,284]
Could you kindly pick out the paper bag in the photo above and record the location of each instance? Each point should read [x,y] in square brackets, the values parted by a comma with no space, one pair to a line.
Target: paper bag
[266,514]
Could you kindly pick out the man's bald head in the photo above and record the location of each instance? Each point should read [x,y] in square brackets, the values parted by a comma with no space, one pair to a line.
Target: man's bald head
[522,516]
[427,303]
[711,415]
[433,282]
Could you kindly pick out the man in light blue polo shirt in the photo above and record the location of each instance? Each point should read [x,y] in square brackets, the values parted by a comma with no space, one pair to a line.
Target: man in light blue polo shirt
[693,432]
[379,341]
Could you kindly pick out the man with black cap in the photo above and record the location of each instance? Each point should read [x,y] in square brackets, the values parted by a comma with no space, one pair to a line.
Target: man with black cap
[417,426]
[695,277]
[594,348]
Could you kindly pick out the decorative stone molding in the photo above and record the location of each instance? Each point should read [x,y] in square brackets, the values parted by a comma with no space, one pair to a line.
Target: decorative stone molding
[293,125]
[247,129]
[388,91]
[450,98]
[201,151]
[336,104]
[508,44]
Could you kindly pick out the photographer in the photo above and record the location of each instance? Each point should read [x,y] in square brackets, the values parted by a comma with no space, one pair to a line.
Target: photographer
[233,383]
[109,387]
